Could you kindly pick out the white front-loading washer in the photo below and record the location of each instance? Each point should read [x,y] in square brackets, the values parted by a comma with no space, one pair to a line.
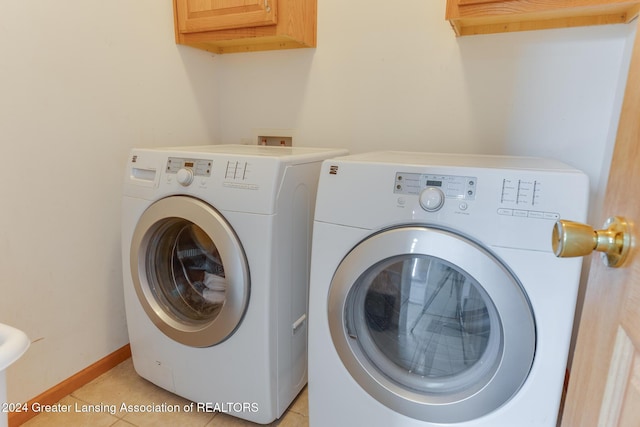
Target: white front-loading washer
[216,252]
[435,297]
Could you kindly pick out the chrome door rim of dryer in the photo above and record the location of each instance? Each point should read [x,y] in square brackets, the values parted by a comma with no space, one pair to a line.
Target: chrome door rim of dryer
[510,354]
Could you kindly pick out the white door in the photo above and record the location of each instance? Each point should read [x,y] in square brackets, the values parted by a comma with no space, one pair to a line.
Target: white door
[604,386]
[189,271]
[431,324]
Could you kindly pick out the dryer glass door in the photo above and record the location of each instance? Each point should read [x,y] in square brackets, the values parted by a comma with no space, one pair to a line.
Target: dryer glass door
[431,324]
[189,270]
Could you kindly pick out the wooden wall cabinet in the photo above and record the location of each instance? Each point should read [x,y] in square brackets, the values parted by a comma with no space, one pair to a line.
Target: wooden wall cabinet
[225,26]
[468,17]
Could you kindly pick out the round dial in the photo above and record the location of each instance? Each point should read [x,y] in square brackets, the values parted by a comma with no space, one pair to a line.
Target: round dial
[184,176]
[431,199]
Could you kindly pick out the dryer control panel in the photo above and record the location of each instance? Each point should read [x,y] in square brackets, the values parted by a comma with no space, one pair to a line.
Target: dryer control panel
[452,186]
[524,198]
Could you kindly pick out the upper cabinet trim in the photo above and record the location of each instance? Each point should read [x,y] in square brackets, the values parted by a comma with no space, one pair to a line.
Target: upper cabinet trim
[468,17]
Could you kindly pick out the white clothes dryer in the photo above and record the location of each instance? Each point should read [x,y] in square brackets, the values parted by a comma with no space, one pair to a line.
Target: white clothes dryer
[435,296]
[216,252]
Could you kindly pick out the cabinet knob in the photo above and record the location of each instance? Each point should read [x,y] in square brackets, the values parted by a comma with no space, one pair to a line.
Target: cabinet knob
[571,239]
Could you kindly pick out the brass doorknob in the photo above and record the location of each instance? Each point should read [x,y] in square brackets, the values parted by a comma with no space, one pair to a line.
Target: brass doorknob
[571,239]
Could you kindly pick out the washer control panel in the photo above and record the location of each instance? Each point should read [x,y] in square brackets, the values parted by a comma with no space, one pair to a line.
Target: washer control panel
[198,167]
[449,186]
[185,170]
[237,170]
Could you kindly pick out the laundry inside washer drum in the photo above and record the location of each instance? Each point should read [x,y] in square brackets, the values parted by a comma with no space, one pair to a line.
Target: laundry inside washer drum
[188,276]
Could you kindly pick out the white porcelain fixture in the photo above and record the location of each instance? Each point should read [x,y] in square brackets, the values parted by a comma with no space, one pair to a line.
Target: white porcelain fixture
[13,344]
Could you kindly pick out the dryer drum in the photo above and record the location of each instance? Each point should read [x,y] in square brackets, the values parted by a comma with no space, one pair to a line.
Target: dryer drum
[431,324]
[379,305]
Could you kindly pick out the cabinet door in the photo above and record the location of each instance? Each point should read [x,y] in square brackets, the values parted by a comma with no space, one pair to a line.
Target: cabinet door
[210,15]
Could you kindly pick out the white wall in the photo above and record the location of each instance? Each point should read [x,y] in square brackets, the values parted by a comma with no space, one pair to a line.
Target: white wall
[393,75]
[83,81]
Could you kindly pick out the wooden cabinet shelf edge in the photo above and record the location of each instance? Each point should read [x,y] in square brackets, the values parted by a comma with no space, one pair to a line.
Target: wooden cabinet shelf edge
[294,26]
[468,17]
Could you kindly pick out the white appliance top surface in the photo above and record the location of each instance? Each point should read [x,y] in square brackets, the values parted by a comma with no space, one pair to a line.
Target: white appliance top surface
[240,178]
[459,160]
[292,154]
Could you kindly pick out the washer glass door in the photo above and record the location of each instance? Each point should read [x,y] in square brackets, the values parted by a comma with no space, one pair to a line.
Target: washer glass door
[189,271]
[431,324]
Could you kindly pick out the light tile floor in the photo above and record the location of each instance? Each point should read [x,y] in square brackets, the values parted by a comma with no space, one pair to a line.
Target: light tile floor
[122,384]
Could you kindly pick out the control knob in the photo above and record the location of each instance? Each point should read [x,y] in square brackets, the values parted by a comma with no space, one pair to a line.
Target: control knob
[431,199]
[184,177]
